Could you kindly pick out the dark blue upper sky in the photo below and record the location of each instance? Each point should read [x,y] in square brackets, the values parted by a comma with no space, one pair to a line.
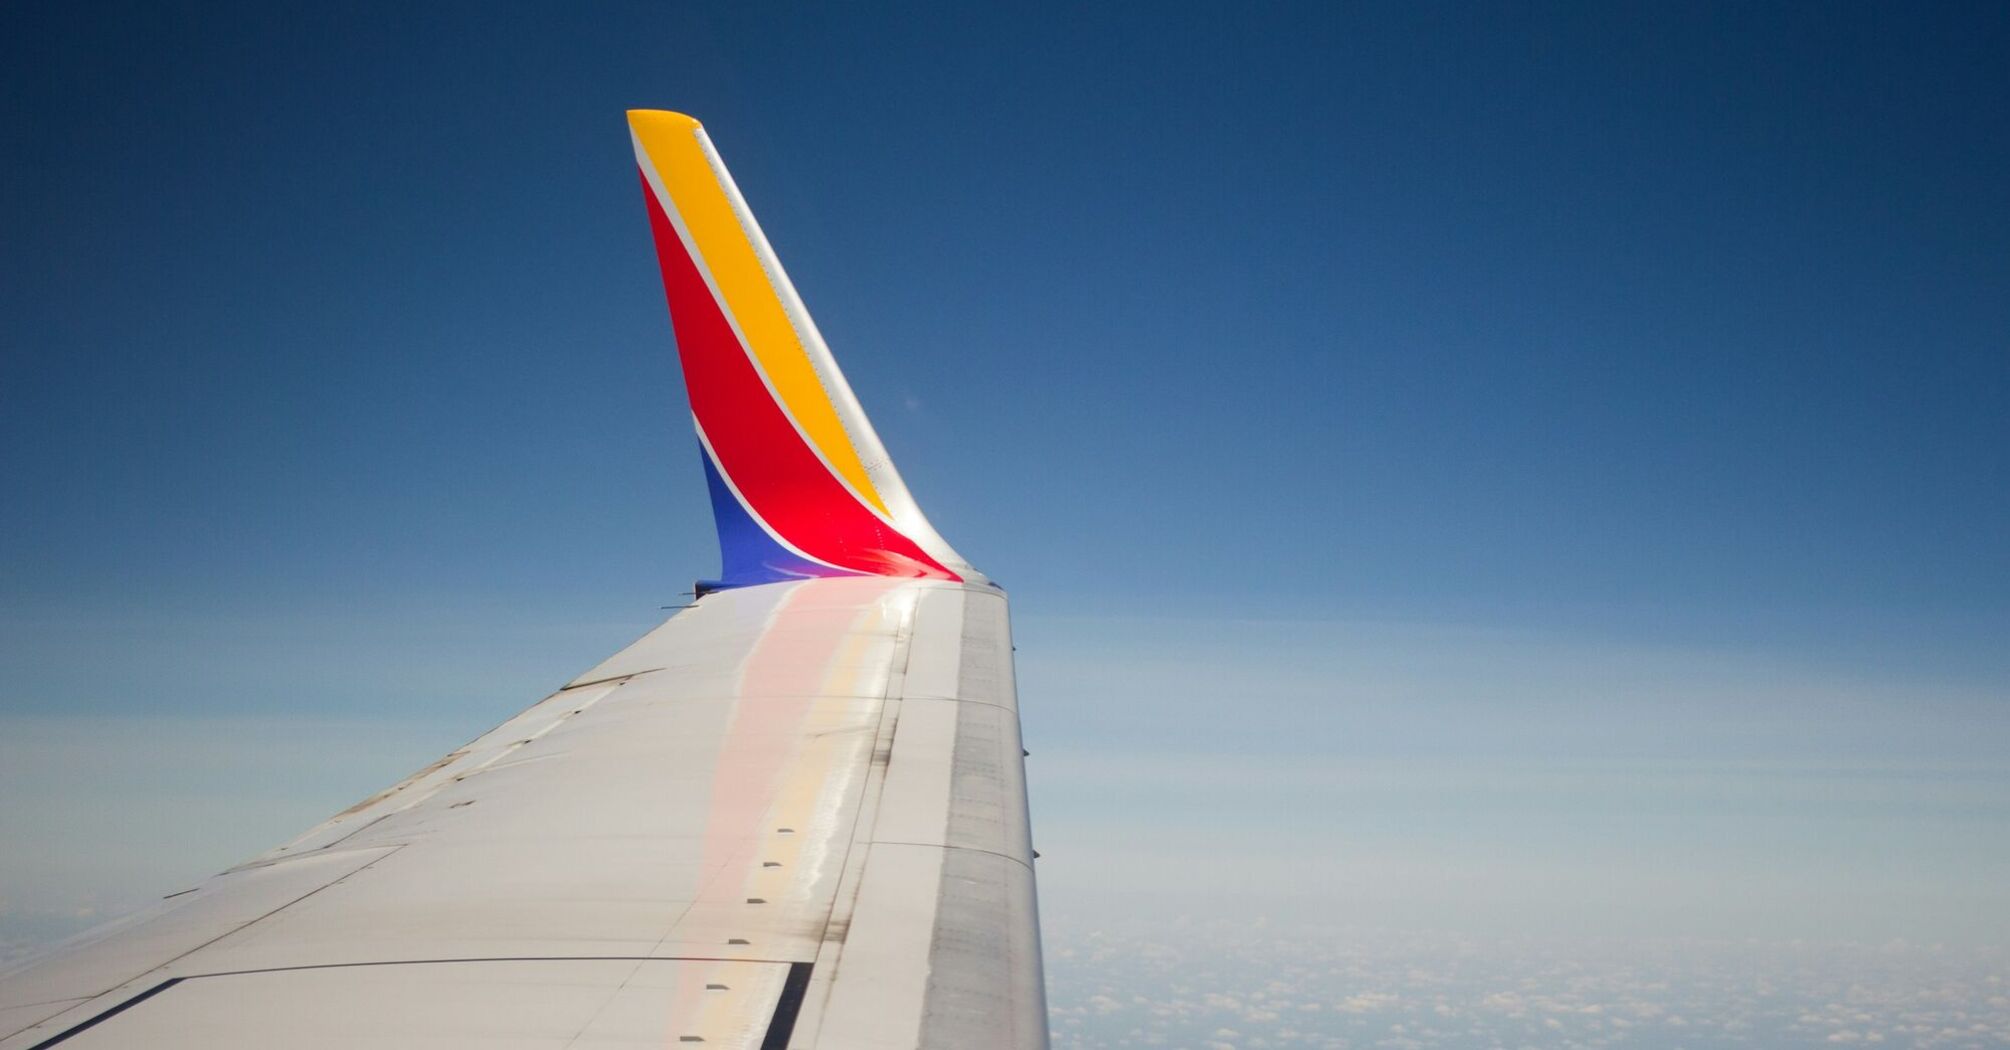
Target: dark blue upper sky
[1654,320]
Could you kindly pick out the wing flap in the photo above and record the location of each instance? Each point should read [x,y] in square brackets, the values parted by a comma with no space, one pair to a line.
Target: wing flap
[103,962]
[527,1003]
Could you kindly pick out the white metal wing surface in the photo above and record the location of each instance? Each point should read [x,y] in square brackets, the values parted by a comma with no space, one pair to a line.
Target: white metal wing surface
[794,815]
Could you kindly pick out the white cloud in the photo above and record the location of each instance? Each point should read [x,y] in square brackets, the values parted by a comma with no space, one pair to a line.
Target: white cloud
[1216,983]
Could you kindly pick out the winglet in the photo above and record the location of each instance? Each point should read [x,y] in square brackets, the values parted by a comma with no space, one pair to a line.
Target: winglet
[800,484]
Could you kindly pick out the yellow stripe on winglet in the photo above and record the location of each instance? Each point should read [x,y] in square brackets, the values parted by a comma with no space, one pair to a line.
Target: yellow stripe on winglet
[671,140]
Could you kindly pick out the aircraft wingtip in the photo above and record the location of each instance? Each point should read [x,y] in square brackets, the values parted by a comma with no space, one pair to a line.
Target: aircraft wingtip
[661,118]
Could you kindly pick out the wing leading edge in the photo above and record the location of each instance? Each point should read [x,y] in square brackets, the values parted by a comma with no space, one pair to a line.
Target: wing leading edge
[794,815]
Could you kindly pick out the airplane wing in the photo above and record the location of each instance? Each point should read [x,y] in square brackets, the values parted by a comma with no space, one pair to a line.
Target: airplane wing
[794,815]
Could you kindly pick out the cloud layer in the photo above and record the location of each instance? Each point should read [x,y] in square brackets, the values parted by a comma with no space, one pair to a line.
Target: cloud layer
[1262,985]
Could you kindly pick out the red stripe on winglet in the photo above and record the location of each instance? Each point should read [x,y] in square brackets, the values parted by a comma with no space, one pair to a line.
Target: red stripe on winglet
[775,471]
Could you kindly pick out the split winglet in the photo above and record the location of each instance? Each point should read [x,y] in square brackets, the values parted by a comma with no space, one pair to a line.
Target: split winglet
[801,486]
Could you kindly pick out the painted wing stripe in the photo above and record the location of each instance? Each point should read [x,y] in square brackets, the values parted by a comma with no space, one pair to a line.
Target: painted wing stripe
[775,563]
[754,443]
[689,246]
[679,158]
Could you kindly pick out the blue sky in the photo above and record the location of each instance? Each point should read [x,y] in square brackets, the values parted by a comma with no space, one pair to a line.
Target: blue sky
[1553,442]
